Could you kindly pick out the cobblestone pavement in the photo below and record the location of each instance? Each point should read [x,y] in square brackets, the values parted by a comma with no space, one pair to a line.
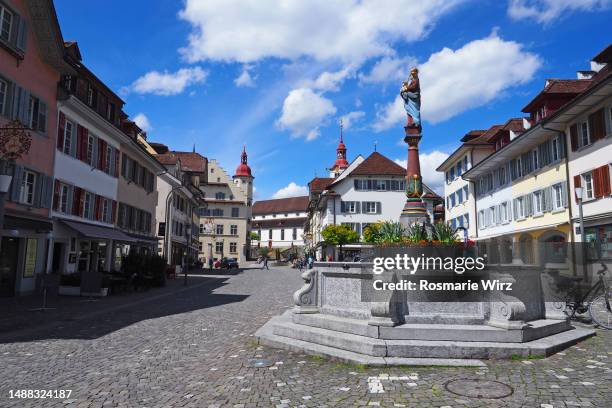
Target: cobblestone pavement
[191,349]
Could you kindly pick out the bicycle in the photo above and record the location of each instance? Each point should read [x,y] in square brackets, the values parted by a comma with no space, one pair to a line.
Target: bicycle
[600,304]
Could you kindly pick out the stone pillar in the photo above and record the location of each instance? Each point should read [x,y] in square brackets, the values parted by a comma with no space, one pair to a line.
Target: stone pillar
[414,209]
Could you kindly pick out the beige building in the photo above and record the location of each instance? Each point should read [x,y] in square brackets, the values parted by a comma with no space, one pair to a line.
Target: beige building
[225,220]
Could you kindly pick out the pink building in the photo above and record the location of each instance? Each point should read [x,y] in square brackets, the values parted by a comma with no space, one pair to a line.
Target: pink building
[31,63]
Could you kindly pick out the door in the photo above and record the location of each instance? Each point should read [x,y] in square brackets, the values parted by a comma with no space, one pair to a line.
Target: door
[58,254]
[8,266]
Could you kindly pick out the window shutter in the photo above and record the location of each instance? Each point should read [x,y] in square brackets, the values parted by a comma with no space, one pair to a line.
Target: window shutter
[577,182]
[56,194]
[562,144]
[16,183]
[546,196]
[604,175]
[111,162]
[378,207]
[356,184]
[61,129]
[42,116]
[47,196]
[15,101]
[357,207]
[574,136]
[14,34]
[22,35]
[123,167]
[599,124]
[528,201]
[514,209]
[97,208]
[24,112]
[596,183]
[76,200]
[342,207]
[81,141]
[564,194]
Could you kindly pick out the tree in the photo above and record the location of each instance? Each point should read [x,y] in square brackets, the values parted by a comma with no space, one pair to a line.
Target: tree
[254,236]
[339,235]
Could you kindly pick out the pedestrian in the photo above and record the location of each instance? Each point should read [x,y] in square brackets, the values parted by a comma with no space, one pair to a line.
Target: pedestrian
[210,263]
[265,263]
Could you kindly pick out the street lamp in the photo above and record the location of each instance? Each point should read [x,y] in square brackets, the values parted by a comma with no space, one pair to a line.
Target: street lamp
[579,191]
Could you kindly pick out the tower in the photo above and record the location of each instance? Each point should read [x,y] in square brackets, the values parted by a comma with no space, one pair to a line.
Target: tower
[341,163]
[243,176]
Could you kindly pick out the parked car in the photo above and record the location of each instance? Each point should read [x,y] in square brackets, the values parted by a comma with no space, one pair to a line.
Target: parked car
[229,263]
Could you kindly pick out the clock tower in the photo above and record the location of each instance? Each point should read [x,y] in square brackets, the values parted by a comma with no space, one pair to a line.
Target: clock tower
[341,163]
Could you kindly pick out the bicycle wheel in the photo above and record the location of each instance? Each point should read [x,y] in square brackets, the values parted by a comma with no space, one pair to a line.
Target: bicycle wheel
[600,310]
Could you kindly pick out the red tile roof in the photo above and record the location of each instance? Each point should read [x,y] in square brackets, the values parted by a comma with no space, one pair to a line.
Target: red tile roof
[472,134]
[319,184]
[378,165]
[194,162]
[281,205]
[166,158]
[556,87]
[486,137]
[515,125]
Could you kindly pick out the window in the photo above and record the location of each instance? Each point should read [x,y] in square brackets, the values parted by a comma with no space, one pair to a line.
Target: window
[37,114]
[90,144]
[294,234]
[270,234]
[556,149]
[233,248]
[519,207]
[3,96]
[584,134]
[105,210]
[233,230]
[109,155]
[534,159]
[452,173]
[459,169]
[68,132]
[587,181]
[492,220]
[370,207]
[558,196]
[538,202]
[452,197]
[502,176]
[503,212]
[235,212]
[87,213]
[218,247]
[459,196]
[220,196]
[6,22]
[481,220]
[219,229]
[348,207]
[92,96]
[465,192]
[110,112]
[27,188]
[282,234]
[63,204]
[217,212]
[465,163]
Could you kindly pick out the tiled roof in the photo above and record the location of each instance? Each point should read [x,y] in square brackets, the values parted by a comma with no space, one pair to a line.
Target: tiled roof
[281,222]
[166,158]
[281,205]
[566,87]
[318,184]
[472,134]
[605,56]
[189,161]
[515,125]
[377,165]
[486,137]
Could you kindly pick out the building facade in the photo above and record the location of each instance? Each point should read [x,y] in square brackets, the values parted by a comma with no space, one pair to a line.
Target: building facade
[225,220]
[279,223]
[31,64]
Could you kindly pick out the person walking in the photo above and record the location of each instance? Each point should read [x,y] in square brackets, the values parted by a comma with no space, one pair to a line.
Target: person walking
[265,263]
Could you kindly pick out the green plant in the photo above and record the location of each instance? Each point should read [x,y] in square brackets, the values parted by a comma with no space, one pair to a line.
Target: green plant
[133,263]
[339,235]
[371,233]
[391,232]
[444,233]
[254,236]
[157,268]
[264,251]
[416,233]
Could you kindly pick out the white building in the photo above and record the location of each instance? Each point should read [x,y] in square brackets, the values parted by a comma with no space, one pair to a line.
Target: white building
[367,191]
[279,223]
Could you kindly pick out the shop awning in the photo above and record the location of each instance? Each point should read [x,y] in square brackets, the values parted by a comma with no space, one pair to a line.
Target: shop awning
[97,232]
[22,223]
[145,239]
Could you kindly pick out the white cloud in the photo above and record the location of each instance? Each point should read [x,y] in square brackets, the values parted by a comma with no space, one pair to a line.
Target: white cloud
[429,163]
[168,83]
[350,118]
[454,81]
[545,11]
[330,81]
[245,78]
[389,69]
[347,30]
[143,122]
[292,190]
[303,113]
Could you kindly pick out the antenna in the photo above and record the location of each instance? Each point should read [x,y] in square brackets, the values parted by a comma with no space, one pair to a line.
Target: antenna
[375,143]
[341,127]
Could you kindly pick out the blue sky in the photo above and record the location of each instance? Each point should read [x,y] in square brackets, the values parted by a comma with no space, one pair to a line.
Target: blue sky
[278,75]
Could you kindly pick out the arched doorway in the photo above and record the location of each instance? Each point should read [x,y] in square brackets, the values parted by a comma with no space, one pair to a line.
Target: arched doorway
[526,249]
[554,248]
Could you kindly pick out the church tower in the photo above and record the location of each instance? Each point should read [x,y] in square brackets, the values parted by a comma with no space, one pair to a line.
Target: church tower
[341,163]
[243,177]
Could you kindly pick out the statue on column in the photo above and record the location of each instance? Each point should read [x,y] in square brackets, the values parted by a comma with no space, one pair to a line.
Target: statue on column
[411,94]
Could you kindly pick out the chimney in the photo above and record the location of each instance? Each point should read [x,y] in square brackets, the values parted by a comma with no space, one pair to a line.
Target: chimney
[585,74]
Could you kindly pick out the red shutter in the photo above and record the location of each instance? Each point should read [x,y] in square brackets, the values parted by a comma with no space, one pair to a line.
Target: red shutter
[597,183]
[82,134]
[56,193]
[574,136]
[114,212]
[61,129]
[76,200]
[117,158]
[604,175]
[82,203]
[576,184]
[598,120]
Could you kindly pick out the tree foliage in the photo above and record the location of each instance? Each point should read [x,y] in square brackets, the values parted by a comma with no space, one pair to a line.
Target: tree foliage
[339,235]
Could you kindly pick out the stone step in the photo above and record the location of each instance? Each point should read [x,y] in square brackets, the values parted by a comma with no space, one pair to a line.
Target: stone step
[335,323]
[325,337]
[469,332]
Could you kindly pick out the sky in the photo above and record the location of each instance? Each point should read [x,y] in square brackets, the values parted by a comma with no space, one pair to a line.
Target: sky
[278,76]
